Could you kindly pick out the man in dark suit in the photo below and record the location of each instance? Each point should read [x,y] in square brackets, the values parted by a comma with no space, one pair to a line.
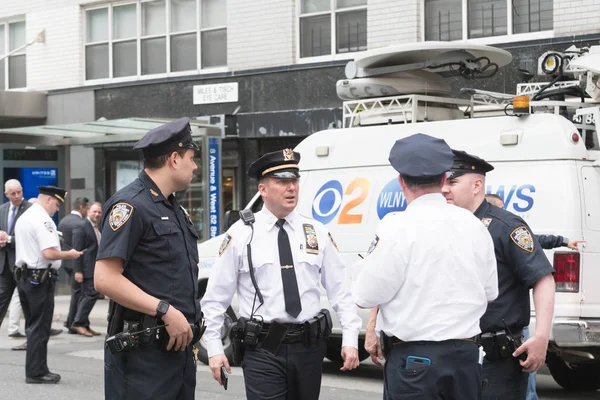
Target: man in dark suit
[86,237]
[9,213]
[65,226]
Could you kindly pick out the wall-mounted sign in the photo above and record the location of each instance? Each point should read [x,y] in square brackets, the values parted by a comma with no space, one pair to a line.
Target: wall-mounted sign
[217,93]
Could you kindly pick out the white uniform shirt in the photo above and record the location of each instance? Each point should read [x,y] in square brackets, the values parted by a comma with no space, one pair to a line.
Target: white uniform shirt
[432,271]
[231,272]
[35,231]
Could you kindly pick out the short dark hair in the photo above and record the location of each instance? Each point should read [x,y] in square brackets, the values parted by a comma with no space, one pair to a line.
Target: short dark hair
[160,161]
[494,196]
[423,182]
[80,202]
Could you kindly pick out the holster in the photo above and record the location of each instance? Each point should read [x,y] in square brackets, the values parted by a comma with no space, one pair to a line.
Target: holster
[18,273]
[499,345]
[115,318]
[317,328]
[236,335]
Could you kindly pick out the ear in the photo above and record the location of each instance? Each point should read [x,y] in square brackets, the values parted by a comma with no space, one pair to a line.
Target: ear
[262,188]
[478,185]
[173,160]
[402,183]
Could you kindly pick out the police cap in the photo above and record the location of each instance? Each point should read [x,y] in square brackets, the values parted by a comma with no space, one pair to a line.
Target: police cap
[279,164]
[53,191]
[165,139]
[465,163]
[421,156]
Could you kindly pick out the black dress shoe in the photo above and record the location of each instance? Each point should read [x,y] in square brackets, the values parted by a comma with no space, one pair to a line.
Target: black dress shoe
[20,347]
[48,378]
[54,332]
[16,334]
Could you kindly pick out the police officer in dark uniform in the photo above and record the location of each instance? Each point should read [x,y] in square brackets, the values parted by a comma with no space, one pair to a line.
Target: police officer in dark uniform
[522,265]
[148,265]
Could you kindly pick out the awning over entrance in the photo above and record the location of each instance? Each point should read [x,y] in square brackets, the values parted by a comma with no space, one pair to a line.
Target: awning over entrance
[22,108]
[96,132]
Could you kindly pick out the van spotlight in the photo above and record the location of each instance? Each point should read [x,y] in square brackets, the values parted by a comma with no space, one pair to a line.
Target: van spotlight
[551,63]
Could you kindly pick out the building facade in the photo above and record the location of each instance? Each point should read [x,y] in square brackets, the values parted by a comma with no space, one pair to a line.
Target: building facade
[264,70]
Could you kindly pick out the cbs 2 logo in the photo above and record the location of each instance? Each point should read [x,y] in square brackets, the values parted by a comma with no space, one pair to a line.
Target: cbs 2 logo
[329,198]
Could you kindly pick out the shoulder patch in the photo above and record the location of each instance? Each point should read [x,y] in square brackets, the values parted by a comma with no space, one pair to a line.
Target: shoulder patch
[48,226]
[119,215]
[523,238]
[374,244]
[225,244]
[312,244]
[486,222]
[333,241]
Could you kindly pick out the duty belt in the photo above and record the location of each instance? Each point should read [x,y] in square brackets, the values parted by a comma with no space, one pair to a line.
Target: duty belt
[387,342]
[501,344]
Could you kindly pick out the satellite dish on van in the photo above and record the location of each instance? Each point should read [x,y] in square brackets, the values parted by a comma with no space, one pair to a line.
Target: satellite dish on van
[396,84]
[444,58]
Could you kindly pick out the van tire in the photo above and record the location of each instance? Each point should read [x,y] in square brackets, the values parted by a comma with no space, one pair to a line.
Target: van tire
[230,318]
[579,377]
[334,351]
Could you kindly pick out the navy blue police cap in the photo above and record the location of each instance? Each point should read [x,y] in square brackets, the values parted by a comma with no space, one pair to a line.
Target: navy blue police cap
[165,139]
[421,156]
[53,191]
[465,163]
[281,164]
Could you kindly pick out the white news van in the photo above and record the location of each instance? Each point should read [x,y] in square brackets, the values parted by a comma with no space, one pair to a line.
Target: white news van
[547,170]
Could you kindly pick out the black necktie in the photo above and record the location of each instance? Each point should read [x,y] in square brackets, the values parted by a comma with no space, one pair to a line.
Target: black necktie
[288,275]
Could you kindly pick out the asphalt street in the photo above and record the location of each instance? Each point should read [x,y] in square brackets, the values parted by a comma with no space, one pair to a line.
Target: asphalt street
[80,362]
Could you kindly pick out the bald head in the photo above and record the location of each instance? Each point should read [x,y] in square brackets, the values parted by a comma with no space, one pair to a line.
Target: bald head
[13,192]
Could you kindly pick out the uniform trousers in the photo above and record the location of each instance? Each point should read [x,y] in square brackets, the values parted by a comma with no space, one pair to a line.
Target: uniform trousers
[294,373]
[75,296]
[504,379]
[149,373]
[87,300]
[37,301]
[454,373]
[7,287]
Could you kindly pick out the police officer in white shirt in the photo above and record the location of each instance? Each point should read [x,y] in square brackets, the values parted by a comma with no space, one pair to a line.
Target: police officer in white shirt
[431,270]
[291,255]
[38,258]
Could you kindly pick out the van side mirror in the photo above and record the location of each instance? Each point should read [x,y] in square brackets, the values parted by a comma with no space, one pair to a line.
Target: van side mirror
[230,218]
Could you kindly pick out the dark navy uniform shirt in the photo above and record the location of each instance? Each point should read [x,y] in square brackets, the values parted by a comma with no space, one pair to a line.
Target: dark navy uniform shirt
[521,263]
[156,241]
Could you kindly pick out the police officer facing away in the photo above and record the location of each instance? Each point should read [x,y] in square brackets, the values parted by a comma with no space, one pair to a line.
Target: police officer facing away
[521,265]
[431,270]
[148,264]
[38,258]
[288,256]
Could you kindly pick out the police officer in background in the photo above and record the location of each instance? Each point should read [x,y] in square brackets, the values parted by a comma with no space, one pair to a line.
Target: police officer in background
[431,270]
[521,265]
[148,264]
[38,258]
[288,256]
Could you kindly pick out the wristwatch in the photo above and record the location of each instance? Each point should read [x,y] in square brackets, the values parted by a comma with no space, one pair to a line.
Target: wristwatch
[162,308]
